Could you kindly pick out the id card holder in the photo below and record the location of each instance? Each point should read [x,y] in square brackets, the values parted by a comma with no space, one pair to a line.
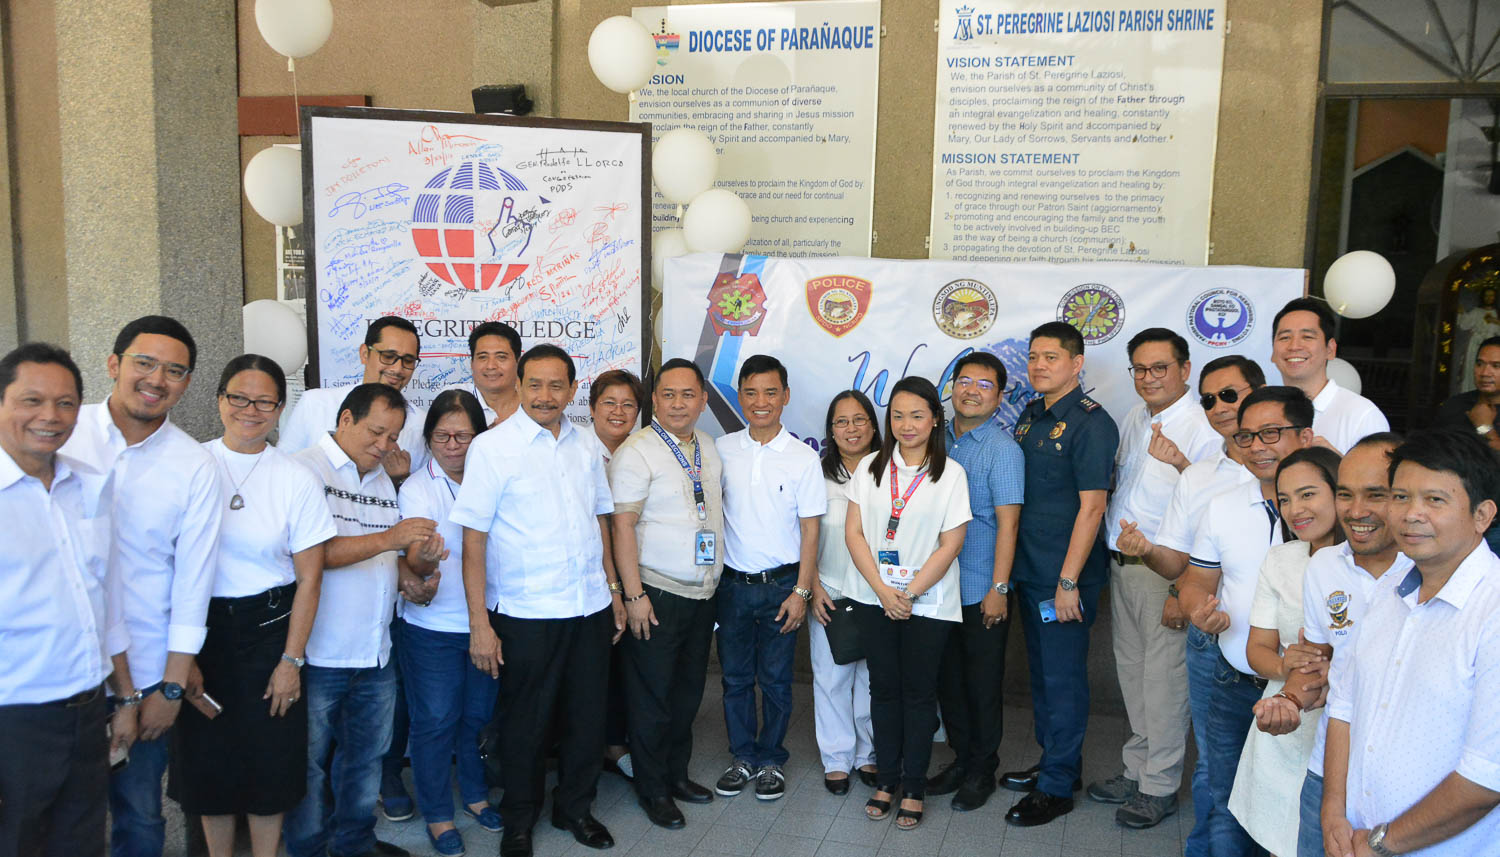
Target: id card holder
[888,557]
[705,547]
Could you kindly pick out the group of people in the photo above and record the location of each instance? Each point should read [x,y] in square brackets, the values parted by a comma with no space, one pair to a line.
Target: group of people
[281,624]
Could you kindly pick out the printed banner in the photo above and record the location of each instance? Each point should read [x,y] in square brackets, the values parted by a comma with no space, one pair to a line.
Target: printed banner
[787,93]
[1076,131]
[849,323]
[453,220]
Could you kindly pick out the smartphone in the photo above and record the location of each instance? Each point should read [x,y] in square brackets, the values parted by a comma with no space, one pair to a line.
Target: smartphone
[206,705]
[1048,609]
[119,757]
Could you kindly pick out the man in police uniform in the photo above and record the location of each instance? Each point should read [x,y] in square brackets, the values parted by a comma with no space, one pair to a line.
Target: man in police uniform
[1069,444]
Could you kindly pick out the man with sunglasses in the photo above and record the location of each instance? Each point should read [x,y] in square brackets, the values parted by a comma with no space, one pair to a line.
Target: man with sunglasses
[166,530]
[1302,344]
[1160,437]
[390,356]
[1217,590]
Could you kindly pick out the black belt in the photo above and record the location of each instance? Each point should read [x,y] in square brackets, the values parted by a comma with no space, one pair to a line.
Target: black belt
[1250,677]
[79,699]
[779,574]
[1122,559]
[270,598]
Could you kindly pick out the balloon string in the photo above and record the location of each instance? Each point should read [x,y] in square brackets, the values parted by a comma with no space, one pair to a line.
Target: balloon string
[291,66]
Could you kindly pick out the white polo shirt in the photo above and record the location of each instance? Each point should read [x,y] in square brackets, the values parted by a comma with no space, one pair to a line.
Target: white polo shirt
[166,528]
[1236,531]
[768,488]
[63,616]
[489,412]
[429,493]
[1344,417]
[1335,595]
[1420,692]
[353,626]
[836,569]
[1198,484]
[1144,484]
[538,498]
[317,414]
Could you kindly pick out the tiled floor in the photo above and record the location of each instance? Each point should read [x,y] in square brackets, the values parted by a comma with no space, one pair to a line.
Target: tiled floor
[809,821]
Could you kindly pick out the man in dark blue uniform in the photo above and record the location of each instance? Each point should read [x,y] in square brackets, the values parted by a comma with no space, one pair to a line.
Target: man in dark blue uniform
[1061,563]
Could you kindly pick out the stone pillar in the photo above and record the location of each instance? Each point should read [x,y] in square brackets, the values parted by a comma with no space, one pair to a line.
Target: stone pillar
[10,310]
[148,138]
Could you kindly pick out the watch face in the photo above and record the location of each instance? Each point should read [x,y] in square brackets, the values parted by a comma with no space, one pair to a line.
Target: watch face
[171,690]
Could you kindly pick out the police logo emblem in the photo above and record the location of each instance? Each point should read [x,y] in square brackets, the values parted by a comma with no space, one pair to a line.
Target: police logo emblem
[964,309]
[1338,610]
[838,302]
[1095,309]
[1057,430]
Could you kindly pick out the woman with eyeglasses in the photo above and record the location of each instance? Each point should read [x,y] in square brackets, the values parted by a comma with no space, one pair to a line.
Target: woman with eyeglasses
[448,698]
[841,692]
[241,745]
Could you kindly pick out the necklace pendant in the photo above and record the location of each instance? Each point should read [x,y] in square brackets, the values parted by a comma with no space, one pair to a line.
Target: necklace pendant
[236,502]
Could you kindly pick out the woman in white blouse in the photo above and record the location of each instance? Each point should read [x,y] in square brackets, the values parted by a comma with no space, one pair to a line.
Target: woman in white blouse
[1268,784]
[908,511]
[241,746]
[448,698]
[841,692]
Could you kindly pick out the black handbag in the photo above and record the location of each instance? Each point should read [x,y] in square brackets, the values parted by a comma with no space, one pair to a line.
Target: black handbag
[843,634]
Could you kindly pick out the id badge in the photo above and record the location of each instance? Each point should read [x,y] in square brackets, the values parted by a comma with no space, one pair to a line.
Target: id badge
[705,546]
[897,576]
[888,557]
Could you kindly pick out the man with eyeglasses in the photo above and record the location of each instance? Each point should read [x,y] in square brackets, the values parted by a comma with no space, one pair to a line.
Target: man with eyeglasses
[1301,346]
[1218,588]
[973,664]
[166,529]
[1222,383]
[390,355]
[1160,437]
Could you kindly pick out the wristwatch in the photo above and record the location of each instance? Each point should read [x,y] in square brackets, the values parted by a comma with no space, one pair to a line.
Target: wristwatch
[133,699]
[617,586]
[1376,840]
[171,690]
[1068,584]
[804,594]
[296,662]
[1003,587]
[1172,590]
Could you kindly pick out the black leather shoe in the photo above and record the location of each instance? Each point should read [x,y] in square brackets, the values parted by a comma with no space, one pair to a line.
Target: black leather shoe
[948,780]
[869,778]
[836,786]
[587,830]
[515,843]
[688,791]
[974,793]
[1025,781]
[1038,808]
[662,812]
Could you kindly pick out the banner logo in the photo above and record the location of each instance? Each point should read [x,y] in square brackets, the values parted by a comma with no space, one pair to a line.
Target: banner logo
[964,309]
[965,30]
[666,45]
[472,223]
[1095,309]
[838,302]
[736,304]
[1220,318]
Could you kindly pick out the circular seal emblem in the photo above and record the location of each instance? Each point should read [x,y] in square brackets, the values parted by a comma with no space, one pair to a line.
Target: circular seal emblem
[964,309]
[1220,318]
[1095,309]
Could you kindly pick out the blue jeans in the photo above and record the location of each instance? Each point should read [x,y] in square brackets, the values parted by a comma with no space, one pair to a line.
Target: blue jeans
[136,826]
[1058,654]
[449,702]
[390,766]
[351,708]
[752,650]
[1310,831]
[1202,662]
[1226,703]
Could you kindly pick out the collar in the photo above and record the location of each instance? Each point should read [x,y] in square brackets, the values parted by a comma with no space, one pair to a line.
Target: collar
[1174,410]
[1066,403]
[63,467]
[1324,400]
[530,428]
[437,472]
[112,432]
[340,459]
[777,444]
[1479,564]
[979,432]
[1345,555]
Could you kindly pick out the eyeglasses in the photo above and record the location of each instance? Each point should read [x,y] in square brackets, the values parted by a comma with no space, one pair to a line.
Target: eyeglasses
[622,404]
[1157,370]
[1228,396]
[967,382]
[845,422]
[265,406]
[1267,435]
[410,361]
[441,438]
[146,365]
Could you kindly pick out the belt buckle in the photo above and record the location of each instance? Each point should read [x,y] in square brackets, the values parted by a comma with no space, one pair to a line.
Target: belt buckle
[275,599]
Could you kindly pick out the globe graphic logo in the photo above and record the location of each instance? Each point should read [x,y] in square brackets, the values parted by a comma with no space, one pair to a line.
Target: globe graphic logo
[472,223]
[1018,392]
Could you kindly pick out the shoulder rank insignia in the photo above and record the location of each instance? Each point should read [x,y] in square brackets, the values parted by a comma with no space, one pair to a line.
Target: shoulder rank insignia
[1088,404]
[1057,430]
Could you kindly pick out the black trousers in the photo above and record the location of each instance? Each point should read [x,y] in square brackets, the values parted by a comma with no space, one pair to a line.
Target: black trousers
[555,673]
[54,778]
[969,692]
[903,659]
[663,686]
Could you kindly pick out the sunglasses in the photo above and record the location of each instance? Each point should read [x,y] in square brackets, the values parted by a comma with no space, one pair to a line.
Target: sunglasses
[1228,396]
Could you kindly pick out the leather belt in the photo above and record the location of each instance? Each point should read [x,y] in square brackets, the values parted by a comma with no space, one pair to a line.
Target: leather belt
[779,574]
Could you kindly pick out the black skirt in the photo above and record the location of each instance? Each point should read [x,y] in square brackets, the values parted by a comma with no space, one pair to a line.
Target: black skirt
[244,760]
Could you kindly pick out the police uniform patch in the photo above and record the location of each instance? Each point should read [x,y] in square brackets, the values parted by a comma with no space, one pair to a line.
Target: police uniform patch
[1338,610]
[1088,404]
[1057,430]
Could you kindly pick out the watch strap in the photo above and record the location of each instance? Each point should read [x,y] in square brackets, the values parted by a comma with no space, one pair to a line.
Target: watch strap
[804,594]
[1376,840]
[296,662]
[1068,584]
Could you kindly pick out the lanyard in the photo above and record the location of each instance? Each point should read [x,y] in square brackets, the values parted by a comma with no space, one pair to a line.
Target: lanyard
[898,504]
[694,472]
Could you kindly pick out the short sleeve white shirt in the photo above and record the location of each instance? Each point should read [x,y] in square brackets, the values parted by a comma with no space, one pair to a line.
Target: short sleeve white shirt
[836,569]
[644,471]
[538,497]
[489,412]
[353,625]
[430,493]
[317,414]
[1236,531]
[1144,484]
[933,509]
[1344,417]
[1419,693]
[1198,484]
[768,488]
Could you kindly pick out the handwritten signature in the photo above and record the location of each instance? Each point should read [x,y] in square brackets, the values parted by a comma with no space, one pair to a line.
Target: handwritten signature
[362,202]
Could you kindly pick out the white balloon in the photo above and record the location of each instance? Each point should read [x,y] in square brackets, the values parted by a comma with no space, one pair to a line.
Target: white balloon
[683,164]
[716,221]
[273,184]
[1343,372]
[272,329]
[622,54]
[1359,284]
[294,28]
[666,244]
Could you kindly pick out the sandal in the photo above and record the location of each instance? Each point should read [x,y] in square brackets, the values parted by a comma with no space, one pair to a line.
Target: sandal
[914,816]
[876,809]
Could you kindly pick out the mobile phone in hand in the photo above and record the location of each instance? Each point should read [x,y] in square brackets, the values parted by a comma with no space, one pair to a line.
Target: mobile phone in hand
[1048,609]
[206,705]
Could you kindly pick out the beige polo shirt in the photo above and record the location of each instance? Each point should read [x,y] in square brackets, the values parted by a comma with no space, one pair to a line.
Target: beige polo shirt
[646,479]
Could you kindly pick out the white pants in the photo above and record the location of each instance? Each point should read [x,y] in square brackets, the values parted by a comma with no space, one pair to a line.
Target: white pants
[841,707]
